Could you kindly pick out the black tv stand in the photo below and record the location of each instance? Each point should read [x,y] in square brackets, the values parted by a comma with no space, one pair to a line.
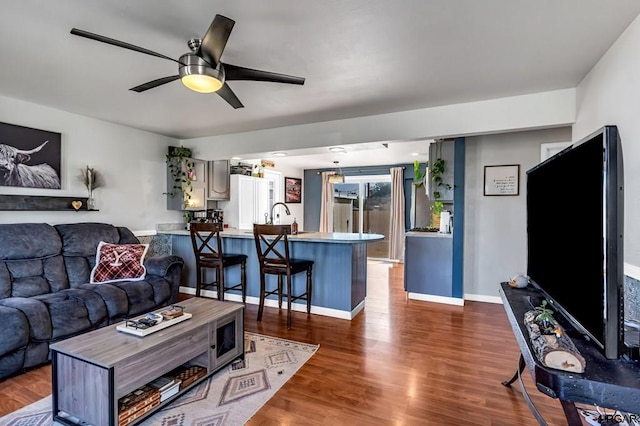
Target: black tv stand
[606,383]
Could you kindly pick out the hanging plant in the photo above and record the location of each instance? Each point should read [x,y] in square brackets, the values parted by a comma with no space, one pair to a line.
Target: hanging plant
[438,167]
[181,169]
[418,175]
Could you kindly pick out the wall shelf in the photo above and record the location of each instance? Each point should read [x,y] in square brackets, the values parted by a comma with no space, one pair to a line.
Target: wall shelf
[41,203]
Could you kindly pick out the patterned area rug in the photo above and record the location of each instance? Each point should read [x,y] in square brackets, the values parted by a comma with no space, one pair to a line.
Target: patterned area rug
[230,397]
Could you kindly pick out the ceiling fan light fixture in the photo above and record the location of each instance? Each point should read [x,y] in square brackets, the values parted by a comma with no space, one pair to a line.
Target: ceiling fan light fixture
[198,76]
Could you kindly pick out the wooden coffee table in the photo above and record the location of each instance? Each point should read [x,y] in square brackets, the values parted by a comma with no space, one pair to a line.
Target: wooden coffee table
[93,370]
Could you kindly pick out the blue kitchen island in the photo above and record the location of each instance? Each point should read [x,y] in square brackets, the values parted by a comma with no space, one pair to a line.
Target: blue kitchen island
[339,271]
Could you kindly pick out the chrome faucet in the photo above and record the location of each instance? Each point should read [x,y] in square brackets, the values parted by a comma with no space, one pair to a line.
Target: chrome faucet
[286,209]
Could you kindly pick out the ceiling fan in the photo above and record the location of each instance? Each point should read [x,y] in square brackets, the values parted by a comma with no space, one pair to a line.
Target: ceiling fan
[201,69]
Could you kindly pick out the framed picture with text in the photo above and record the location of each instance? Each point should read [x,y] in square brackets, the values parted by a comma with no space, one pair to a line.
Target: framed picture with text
[292,190]
[502,180]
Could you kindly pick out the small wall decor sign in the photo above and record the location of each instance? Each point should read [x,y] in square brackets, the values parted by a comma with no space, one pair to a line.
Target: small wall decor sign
[292,190]
[29,158]
[502,180]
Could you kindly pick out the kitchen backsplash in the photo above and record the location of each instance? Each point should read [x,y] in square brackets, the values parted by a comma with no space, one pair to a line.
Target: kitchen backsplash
[158,244]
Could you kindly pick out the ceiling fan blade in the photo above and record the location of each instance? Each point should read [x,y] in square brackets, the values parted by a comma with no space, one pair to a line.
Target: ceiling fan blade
[155,83]
[227,94]
[234,72]
[118,43]
[215,39]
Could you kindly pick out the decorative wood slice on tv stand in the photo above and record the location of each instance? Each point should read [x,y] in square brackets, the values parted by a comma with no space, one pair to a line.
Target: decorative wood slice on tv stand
[552,351]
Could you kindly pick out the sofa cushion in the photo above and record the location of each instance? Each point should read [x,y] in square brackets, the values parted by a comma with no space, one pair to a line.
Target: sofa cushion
[140,294]
[119,262]
[28,241]
[14,333]
[80,242]
[82,239]
[30,277]
[73,311]
[114,298]
[30,261]
[37,316]
[126,236]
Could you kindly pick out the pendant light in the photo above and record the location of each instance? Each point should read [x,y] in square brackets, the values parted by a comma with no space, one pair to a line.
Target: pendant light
[337,176]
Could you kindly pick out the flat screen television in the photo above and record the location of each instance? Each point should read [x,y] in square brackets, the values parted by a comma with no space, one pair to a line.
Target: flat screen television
[575,236]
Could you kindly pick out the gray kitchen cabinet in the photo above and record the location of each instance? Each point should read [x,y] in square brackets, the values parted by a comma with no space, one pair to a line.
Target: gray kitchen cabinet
[428,264]
[218,178]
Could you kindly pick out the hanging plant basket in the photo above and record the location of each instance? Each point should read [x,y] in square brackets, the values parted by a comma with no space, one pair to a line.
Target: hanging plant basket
[181,169]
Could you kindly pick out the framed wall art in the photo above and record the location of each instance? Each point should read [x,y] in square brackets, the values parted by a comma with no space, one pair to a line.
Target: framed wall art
[29,158]
[292,190]
[502,180]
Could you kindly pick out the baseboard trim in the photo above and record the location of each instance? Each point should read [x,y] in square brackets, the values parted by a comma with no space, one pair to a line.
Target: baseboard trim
[438,299]
[483,298]
[272,303]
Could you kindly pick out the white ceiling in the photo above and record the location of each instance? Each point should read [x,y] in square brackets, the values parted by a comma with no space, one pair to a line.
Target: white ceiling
[359,57]
[352,155]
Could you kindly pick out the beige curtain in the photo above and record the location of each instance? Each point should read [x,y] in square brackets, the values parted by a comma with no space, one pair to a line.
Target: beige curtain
[396,225]
[326,204]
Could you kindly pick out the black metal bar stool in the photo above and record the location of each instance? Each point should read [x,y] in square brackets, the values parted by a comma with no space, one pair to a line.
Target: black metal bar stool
[208,250]
[272,245]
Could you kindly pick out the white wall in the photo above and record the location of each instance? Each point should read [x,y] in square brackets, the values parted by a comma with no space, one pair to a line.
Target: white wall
[495,234]
[610,95]
[132,162]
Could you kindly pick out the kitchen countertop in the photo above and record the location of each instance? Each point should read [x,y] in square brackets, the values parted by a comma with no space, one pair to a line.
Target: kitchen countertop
[427,234]
[320,237]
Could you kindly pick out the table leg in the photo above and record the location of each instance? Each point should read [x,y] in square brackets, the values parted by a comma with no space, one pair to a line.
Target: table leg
[570,413]
[521,366]
[532,407]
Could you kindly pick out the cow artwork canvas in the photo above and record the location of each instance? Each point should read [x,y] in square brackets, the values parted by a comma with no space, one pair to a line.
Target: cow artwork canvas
[29,158]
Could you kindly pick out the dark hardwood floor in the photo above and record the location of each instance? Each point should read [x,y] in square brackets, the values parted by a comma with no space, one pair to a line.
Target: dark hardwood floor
[399,362]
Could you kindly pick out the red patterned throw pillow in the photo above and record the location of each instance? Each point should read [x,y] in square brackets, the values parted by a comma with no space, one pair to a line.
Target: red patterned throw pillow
[119,262]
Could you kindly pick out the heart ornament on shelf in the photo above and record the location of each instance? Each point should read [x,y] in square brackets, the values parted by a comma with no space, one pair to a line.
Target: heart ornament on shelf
[76,204]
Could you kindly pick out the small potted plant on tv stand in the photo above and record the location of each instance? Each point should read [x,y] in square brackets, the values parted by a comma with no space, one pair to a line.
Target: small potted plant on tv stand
[551,345]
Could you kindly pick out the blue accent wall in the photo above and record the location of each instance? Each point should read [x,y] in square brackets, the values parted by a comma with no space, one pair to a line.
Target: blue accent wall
[458,218]
[313,189]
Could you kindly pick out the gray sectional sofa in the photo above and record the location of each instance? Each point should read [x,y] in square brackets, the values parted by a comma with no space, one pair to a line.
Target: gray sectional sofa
[45,294]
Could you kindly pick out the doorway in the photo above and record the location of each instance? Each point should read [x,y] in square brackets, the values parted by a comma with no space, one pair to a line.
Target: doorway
[362,204]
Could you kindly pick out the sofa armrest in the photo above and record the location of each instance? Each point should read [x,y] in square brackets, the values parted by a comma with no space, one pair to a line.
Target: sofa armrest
[169,268]
[160,265]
